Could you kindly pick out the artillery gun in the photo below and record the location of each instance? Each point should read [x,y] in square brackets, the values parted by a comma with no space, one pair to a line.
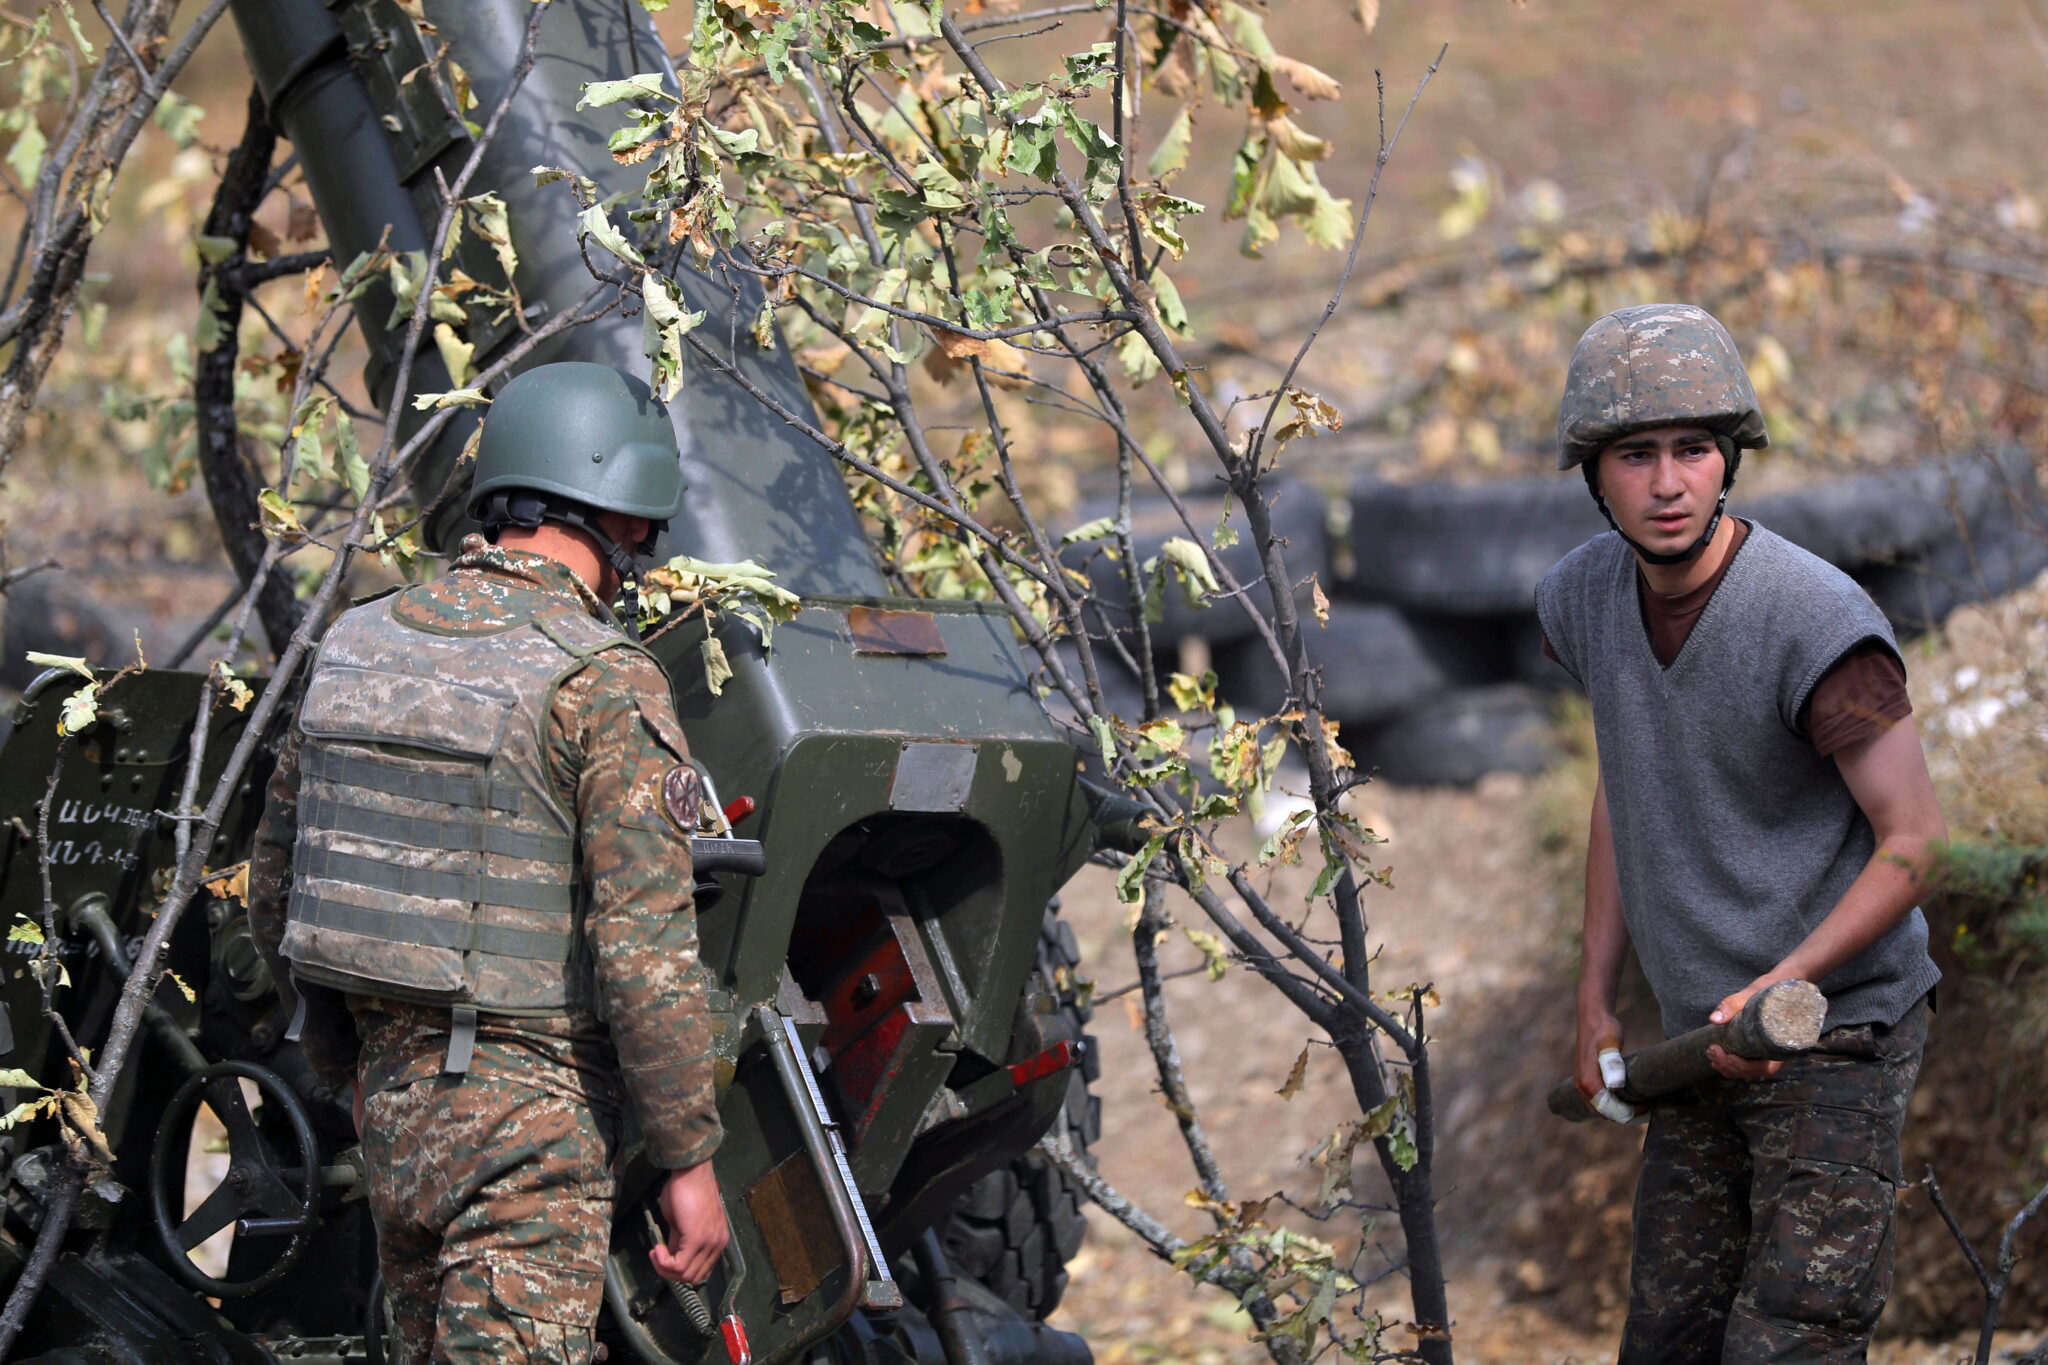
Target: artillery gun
[894,1035]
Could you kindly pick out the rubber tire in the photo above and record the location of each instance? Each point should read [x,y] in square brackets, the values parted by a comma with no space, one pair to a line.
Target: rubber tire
[1465,550]
[50,615]
[1482,549]
[1376,661]
[2006,549]
[1531,664]
[1462,736]
[1891,515]
[1300,519]
[1015,1230]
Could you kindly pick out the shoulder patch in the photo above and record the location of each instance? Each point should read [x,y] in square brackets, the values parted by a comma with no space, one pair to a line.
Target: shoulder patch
[682,797]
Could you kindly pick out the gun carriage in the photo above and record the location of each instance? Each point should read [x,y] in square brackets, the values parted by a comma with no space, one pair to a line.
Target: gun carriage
[895,1030]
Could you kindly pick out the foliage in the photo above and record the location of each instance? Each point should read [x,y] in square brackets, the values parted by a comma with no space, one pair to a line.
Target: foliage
[945,249]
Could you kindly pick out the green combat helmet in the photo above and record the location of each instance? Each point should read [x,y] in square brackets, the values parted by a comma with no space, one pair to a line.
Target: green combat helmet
[1657,365]
[568,441]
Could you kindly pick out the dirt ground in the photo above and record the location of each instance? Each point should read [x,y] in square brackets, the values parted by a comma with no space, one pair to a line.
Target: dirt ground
[1466,912]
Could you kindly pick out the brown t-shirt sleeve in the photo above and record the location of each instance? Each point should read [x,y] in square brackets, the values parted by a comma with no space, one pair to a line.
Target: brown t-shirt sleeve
[1862,695]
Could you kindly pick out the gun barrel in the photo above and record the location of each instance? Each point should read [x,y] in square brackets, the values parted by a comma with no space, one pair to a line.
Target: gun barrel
[1781,1020]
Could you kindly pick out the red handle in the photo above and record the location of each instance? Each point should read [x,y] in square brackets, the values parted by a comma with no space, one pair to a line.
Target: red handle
[735,1332]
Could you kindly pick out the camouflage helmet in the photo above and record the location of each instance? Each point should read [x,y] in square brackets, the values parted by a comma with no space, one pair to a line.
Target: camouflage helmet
[1655,365]
[589,433]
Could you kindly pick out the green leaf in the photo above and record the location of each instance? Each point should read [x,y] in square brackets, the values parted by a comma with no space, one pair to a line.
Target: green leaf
[405,271]
[647,85]
[25,158]
[1033,151]
[1130,879]
[1172,311]
[1159,737]
[1172,153]
[899,211]
[280,519]
[597,224]
[179,117]
[1245,175]
[1193,694]
[76,665]
[745,142]
[717,668]
[15,1077]
[1092,69]
[1329,223]
[487,214]
[1105,739]
[24,930]
[355,471]
[1197,579]
[28,1109]
[213,330]
[1102,528]
[455,354]
[942,193]
[85,48]
[548,175]
[81,711]
[1104,156]
[309,448]
[1215,957]
[213,249]
[664,325]
[1327,878]
[454,398]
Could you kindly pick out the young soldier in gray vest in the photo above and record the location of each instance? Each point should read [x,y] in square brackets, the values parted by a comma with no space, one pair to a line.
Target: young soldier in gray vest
[1764,813]
[474,868]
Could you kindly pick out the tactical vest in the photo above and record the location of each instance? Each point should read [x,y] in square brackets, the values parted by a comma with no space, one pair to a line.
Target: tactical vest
[434,861]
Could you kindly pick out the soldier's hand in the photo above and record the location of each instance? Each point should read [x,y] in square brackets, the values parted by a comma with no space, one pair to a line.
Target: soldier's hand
[1727,1063]
[1599,1068]
[697,1231]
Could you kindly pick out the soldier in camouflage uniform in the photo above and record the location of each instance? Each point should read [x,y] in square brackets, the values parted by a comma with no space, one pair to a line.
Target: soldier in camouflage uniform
[474,869]
[1764,813]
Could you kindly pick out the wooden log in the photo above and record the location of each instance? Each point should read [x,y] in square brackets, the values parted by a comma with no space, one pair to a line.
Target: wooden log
[1781,1020]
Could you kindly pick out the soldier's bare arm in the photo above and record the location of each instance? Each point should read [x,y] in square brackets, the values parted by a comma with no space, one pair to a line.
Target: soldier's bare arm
[1603,948]
[1887,774]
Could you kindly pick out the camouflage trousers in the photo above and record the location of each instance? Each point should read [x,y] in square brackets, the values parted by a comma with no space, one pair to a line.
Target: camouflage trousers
[1764,1217]
[493,1205]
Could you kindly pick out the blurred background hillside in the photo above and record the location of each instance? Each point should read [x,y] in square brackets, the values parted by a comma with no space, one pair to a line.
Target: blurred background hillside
[1857,188]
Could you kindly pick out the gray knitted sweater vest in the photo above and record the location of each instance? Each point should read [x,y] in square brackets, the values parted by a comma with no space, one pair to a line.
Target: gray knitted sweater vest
[1733,836]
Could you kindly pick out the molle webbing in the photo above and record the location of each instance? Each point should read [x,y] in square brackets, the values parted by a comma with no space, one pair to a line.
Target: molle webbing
[474,888]
[419,831]
[437,856]
[448,789]
[426,931]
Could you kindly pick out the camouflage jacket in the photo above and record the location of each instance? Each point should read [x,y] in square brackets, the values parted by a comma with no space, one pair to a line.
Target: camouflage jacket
[612,740]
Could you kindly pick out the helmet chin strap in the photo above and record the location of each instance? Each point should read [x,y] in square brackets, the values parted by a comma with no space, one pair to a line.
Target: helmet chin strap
[1730,455]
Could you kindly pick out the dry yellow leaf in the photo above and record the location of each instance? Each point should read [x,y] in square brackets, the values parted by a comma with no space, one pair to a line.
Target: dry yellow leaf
[1296,1077]
[1311,82]
[1006,366]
